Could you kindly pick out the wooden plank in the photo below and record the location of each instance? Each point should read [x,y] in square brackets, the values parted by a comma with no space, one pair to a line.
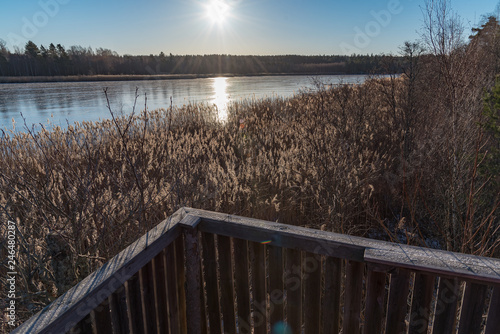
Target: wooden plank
[446,306]
[172,289]
[204,320]
[375,302]
[242,285]
[352,297]
[193,283]
[226,284]
[293,286]
[423,289]
[411,257]
[493,321]
[276,295]
[471,314]
[160,293]
[330,306]
[210,279]
[83,327]
[397,302]
[101,319]
[258,264]
[147,298]
[134,308]
[284,236]
[180,261]
[80,300]
[311,273]
[118,310]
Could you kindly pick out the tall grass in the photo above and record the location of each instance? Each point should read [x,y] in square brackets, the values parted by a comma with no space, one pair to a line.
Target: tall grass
[329,159]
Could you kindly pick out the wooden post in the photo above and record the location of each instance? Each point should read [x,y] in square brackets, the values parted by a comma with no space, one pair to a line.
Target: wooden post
[293,285]
[330,305]
[172,289]
[160,293]
[423,289]
[117,305]
[493,322]
[147,298]
[446,306]
[242,285]
[375,303]
[397,302]
[193,282]
[226,284]
[352,297]
[471,315]
[210,279]
[180,262]
[101,319]
[311,271]
[276,295]
[259,287]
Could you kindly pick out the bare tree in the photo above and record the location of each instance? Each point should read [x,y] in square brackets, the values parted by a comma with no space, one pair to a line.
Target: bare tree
[458,81]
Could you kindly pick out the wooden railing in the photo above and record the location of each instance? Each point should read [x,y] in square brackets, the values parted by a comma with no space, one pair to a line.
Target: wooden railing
[206,272]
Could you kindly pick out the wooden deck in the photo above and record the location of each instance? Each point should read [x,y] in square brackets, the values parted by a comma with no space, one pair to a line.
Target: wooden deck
[206,272]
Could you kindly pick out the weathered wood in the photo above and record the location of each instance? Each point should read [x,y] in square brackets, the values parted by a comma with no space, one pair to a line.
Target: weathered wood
[260,318]
[101,319]
[311,273]
[148,298]
[375,302]
[210,279]
[193,288]
[81,300]
[423,289]
[180,261]
[276,295]
[353,248]
[446,306]
[330,306]
[226,284]
[172,288]
[438,262]
[293,286]
[204,320]
[242,285]
[493,321]
[77,303]
[397,302]
[134,305]
[285,236]
[471,314]
[352,297]
[160,293]
[83,327]
[118,308]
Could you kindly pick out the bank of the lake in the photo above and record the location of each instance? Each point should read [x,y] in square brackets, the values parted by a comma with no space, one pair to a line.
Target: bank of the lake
[133,77]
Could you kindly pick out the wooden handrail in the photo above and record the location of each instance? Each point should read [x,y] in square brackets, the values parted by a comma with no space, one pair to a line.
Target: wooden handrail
[283,241]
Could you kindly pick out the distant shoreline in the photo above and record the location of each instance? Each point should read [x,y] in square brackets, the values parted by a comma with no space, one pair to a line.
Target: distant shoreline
[133,77]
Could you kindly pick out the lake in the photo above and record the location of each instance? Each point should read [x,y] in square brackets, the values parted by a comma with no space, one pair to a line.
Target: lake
[58,103]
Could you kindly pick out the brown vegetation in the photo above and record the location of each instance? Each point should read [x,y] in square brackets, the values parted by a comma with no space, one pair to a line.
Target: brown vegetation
[404,158]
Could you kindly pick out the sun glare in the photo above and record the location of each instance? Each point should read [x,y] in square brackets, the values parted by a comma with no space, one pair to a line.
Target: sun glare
[217,11]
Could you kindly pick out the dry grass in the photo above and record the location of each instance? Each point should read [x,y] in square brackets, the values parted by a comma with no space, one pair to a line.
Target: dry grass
[329,159]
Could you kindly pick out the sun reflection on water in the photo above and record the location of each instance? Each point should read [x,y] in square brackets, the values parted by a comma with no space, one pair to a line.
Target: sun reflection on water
[220,97]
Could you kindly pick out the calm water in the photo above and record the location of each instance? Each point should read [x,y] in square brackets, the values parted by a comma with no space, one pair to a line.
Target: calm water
[60,103]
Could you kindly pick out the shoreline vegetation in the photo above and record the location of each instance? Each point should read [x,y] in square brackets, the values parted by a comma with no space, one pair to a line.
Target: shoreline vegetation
[122,77]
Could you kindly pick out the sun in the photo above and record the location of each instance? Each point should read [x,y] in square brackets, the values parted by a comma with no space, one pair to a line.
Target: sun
[217,11]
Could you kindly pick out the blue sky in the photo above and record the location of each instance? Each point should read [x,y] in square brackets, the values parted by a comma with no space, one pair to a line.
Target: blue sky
[258,27]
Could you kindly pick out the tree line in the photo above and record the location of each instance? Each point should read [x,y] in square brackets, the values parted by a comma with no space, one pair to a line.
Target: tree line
[56,60]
